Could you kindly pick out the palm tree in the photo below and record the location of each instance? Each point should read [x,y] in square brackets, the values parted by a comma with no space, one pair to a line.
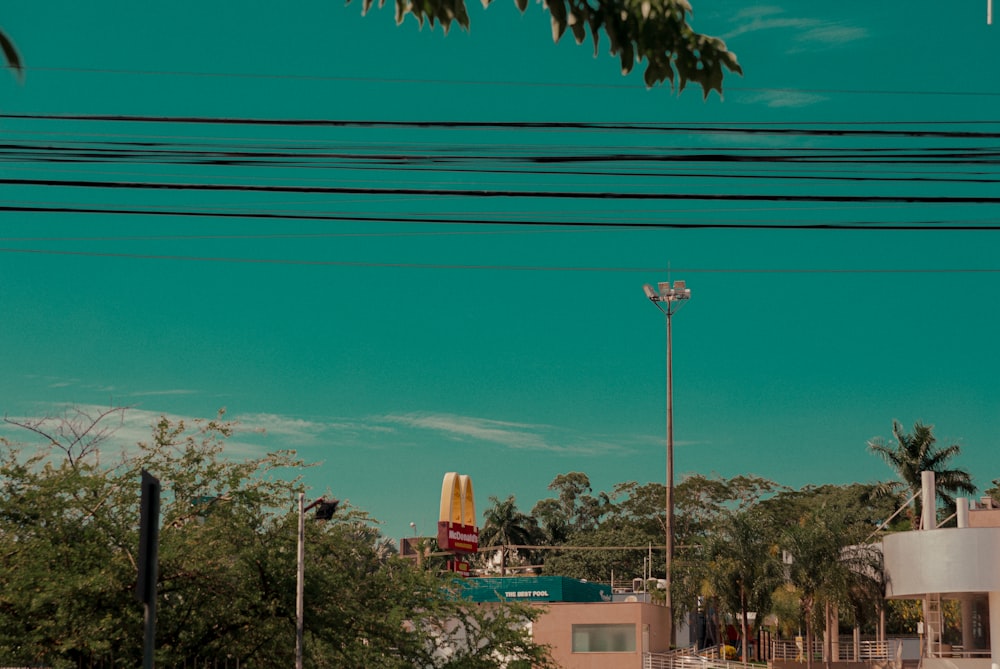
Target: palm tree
[827,567]
[911,454]
[742,568]
[505,525]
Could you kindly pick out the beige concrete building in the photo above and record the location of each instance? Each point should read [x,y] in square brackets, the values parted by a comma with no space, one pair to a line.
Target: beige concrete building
[580,623]
[602,635]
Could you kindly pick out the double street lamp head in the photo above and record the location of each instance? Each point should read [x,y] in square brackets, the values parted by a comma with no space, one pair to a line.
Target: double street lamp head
[664,292]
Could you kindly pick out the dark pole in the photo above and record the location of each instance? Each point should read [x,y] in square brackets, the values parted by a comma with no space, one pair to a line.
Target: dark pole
[300,583]
[149,548]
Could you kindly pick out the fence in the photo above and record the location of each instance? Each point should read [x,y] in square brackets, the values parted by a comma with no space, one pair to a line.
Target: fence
[687,659]
[784,649]
[846,651]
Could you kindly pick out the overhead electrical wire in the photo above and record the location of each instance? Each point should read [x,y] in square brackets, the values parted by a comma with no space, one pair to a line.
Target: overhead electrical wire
[950,164]
[501,193]
[491,83]
[514,222]
[518,268]
[475,82]
[836,129]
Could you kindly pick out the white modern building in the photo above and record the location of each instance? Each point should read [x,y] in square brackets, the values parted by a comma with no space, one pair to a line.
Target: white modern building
[962,564]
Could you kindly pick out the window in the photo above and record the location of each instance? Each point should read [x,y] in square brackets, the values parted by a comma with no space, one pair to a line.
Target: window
[611,638]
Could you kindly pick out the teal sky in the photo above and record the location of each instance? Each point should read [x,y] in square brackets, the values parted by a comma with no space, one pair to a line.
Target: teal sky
[505,344]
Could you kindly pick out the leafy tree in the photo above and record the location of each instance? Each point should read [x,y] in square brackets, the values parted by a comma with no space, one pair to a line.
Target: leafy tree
[611,549]
[505,525]
[654,31]
[700,502]
[68,532]
[994,492]
[573,510]
[856,505]
[742,568]
[592,527]
[68,527]
[641,507]
[828,566]
[371,611]
[912,453]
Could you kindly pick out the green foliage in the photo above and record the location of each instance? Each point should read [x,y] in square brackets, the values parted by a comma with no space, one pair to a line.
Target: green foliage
[903,615]
[742,568]
[504,525]
[652,31]
[730,536]
[573,510]
[600,565]
[700,501]
[909,454]
[829,566]
[68,538]
[786,610]
[857,505]
[994,492]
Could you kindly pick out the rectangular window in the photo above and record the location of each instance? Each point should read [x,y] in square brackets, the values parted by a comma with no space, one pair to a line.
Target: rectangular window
[611,638]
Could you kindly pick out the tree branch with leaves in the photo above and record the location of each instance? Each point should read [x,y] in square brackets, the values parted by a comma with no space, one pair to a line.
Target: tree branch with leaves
[654,32]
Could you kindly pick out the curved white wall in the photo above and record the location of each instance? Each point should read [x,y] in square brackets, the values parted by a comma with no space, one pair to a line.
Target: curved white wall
[950,560]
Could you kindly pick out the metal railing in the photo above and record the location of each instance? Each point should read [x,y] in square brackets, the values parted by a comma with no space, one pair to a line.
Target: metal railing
[958,651]
[866,651]
[687,659]
[783,649]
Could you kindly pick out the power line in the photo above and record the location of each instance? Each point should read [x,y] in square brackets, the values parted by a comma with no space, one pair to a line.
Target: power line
[729,128]
[475,82]
[714,225]
[508,268]
[503,193]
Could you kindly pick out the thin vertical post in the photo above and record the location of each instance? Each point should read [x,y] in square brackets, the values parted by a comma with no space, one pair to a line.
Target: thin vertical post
[149,547]
[300,584]
[668,601]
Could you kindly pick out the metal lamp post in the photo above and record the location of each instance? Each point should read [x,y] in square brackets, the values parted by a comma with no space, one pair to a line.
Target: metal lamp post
[326,509]
[668,299]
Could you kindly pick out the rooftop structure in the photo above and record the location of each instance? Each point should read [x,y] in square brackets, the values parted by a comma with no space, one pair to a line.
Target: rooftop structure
[957,563]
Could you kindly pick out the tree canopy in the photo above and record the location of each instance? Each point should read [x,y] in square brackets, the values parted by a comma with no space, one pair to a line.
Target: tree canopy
[654,32]
[227,563]
[69,537]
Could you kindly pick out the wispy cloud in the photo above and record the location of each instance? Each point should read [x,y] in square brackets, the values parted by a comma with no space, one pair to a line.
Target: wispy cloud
[154,393]
[258,433]
[521,436]
[123,431]
[779,98]
[833,34]
[809,33]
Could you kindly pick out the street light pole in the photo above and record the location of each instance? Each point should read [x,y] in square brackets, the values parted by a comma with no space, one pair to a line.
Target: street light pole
[668,299]
[326,510]
[300,583]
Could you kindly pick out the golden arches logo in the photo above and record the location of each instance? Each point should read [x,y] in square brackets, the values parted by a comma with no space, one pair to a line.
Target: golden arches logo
[457,529]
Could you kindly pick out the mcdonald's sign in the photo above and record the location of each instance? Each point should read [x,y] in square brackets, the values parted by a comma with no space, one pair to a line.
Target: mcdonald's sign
[457,529]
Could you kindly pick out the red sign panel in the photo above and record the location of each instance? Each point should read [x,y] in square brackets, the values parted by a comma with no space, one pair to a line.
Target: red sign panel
[459,567]
[458,538]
